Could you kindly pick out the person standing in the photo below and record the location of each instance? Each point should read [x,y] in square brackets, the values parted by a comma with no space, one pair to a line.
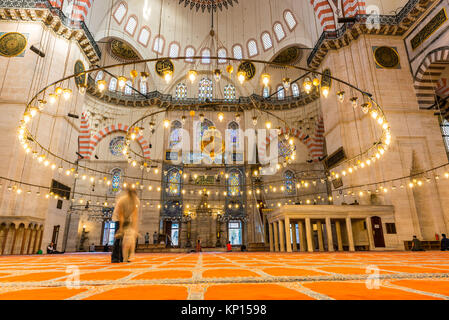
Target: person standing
[444,243]
[155,237]
[198,246]
[128,215]
[416,244]
[147,238]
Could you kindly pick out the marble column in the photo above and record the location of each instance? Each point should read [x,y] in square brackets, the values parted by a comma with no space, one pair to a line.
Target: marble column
[320,236]
[302,237]
[29,241]
[339,238]
[369,230]
[309,235]
[14,240]
[288,240]
[276,236]
[330,240]
[281,236]
[295,243]
[41,234]
[6,231]
[350,235]
[270,237]
[25,233]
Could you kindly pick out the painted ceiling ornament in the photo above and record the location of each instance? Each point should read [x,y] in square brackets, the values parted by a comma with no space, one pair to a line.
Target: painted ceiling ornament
[122,51]
[208,4]
[12,44]
[290,56]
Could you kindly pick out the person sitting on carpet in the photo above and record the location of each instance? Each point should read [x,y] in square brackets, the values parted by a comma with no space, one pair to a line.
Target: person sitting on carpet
[92,248]
[51,249]
[229,246]
[128,216]
[416,244]
[444,243]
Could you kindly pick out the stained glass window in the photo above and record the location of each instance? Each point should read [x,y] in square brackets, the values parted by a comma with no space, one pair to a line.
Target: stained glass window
[279,31]
[290,20]
[266,40]
[99,76]
[205,56]
[175,134]
[181,91]
[116,146]
[266,92]
[113,84]
[143,87]
[281,93]
[174,50]
[445,127]
[128,88]
[295,90]
[174,182]
[116,180]
[285,150]
[233,127]
[289,182]
[252,48]
[234,183]
[205,89]
[229,92]
[222,54]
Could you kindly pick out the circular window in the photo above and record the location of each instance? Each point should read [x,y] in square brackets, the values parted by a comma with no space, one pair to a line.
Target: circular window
[116,146]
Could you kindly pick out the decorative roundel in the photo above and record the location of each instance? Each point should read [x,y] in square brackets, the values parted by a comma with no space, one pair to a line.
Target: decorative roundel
[79,67]
[386,57]
[289,56]
[164,65]
[326,79]
[122,50]
[212,143]
[12,44]
[249,68]
[117,145]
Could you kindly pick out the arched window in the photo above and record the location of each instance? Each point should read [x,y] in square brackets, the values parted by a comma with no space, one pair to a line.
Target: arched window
[266,92]
[181,91]
[252,48]
[113,84]
[143,87]
[229,92]
[190,52]
[290,20]
[202,128]
[281,93]
[116,181]
[173,50]
[128,88]
[233,128]
[144,36]
[445,129]
[279,31]
[205,89]
[267,41]
[175,134]
[158,45]
[205,54]
[99,76]
[234,182]
[131,26]
[295,90]
[222,53]
[120,12]
[289,183]
[238,52]
[174,182]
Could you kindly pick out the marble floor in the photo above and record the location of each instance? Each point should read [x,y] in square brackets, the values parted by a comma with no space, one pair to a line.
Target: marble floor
[228,276]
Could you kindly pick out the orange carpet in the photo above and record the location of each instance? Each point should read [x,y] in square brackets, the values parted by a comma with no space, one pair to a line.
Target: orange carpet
[245,276]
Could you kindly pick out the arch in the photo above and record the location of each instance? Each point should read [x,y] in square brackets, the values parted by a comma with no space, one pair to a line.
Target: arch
[428,74]
[234,182]
[98,137]
[325,14]
[352,8]
[84,136]
[315,143]
[175,134]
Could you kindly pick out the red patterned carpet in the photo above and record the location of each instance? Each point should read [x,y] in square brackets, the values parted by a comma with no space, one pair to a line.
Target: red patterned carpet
[228,276]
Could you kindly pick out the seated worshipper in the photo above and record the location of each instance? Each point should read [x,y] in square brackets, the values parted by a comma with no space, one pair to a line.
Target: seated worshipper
[229,246]
[92,248]
[444,243]
[51,249]
[416,244]
[128,215]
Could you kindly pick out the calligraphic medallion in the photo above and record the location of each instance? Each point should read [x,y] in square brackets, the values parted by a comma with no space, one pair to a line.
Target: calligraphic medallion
[12,44]
[164,65]
[249,68]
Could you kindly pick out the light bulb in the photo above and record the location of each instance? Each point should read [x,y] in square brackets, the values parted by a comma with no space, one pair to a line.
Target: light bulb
[307,85]
[168,75]
[144,76]
[82,88]
[33,111]
[59,91]
[133,74]
[241,76]
[41,104]
[255,121]
[286,83]
[183,119]
[217,74]
[266,79]
[268,125]
[67,94]
[220,117]
[52,98]
[166,123]
[374,114]
[101,84]
[316,82]
[353,101]
[26,117]
[237,118]
[325,91]
[121,82]
[341,96]
[192,74]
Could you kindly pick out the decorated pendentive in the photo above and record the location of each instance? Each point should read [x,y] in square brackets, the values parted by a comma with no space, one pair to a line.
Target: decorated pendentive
[12,44]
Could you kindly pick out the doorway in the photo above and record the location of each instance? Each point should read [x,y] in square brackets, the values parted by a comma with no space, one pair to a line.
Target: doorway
[55,236]
[378,233]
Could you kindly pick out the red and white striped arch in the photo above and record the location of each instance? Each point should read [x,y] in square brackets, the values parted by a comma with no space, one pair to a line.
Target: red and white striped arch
[443,87]
[81,9]
[315,143]
[88,142]
[352,8]
[325,14]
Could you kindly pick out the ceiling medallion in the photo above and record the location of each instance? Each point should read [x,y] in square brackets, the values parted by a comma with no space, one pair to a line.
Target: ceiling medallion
[249,68]
[208,4]
[122,51]
[12,44]
[78,68]
[290,56]
[386,57]
[162,66]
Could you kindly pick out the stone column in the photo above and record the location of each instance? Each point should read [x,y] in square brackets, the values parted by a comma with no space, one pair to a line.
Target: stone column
[369,229]
[339,238]
[41,234]
[302,237]
[330,240]
[36,239]
[29,241]
[276,236]
[295,243]
[14,240]
[309,235]
[25,232]
[320,236]
[350,235]
[6,230]
[281,236]
[288,241]
[270,235]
